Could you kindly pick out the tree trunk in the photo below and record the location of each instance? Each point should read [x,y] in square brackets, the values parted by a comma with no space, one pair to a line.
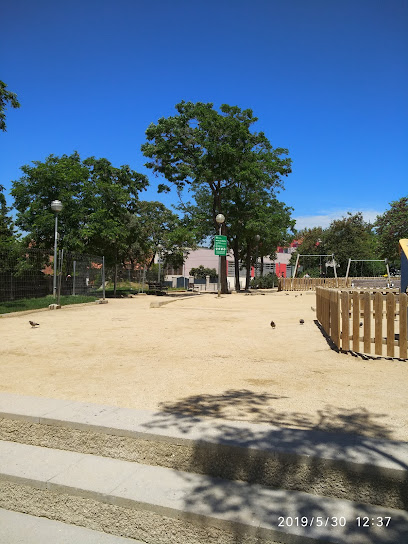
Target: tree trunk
[224,284]
[262,264]
[248,267]
[115,280]
[236,262]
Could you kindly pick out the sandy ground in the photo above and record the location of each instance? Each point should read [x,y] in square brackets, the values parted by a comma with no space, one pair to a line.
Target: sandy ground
[209,356]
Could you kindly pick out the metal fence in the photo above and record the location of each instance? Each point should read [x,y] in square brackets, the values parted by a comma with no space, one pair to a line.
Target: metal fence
[29,273]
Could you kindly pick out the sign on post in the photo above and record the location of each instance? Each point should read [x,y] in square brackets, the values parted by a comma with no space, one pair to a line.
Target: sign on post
[220,245]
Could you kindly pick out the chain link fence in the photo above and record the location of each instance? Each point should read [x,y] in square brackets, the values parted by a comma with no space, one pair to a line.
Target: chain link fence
[29,273]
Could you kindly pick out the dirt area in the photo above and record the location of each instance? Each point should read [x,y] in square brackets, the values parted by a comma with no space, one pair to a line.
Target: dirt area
[209,356]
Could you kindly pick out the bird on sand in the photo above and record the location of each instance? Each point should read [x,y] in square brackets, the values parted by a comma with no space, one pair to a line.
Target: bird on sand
[273,324]
[34,324]
[301,321]
[313,309]
[361,323]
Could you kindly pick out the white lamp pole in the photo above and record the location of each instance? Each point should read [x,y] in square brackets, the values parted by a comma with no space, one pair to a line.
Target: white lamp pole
[220,220]
[159,247]
[56,207]
[257,238]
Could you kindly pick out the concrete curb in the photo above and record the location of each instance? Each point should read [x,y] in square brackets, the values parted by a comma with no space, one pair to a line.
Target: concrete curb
[237,508]
[330,464]
[18,528]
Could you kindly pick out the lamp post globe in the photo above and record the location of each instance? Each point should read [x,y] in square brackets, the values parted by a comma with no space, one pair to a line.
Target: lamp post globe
[56,207]
[220,219]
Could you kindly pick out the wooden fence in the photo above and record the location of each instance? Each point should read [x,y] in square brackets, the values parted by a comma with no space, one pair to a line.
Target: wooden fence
[310,284]
[358,321]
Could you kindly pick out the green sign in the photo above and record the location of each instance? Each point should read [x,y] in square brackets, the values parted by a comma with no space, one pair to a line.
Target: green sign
[220,245]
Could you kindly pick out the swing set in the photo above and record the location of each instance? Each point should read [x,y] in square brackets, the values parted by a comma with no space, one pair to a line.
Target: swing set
[385,261]
[332,263]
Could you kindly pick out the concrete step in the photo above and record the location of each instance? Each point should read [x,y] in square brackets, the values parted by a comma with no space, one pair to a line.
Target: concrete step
[335,465]
[18,528]
[163,506]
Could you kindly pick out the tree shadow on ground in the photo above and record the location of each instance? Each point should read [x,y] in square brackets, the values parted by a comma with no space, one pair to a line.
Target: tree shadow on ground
[330,454]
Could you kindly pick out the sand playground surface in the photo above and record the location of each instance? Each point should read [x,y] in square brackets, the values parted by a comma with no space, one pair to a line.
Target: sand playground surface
[209,356]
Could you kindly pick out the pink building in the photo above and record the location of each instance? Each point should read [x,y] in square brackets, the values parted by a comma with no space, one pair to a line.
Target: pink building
[206,257]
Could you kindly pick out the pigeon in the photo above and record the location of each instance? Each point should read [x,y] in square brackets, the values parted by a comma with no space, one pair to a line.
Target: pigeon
[287,294]
[361,323]
[33,324]
[313,309]
[301,321]
[295,296]
[273,324]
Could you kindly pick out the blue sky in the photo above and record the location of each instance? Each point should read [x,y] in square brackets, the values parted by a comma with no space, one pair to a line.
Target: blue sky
[327,79]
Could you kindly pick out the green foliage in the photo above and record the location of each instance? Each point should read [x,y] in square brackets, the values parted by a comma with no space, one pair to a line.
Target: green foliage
[97,198]
[349,237]
[218,157]
[391,227]
[6,98]
[202,272]
[265,282]
[153,224]
[7,235]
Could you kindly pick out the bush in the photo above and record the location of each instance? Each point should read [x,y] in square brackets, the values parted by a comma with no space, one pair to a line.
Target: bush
[265,282]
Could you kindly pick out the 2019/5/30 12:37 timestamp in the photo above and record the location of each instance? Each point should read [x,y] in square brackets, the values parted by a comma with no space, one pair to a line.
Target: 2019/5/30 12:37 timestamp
[333,521]
[378,521]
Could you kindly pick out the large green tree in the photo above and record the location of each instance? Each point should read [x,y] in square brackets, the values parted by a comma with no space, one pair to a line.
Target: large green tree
[151,225]
[97,200]
[6,98]
[201,147]
[347,238]
[7,233]
[391,226]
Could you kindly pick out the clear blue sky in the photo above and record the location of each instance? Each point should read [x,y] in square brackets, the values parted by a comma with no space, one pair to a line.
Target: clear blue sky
[327,79]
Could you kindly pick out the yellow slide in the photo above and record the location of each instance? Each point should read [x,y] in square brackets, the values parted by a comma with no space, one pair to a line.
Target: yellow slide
[403,244]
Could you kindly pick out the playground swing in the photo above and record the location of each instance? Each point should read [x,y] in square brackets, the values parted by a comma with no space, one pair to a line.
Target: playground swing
[385,261]
[333,262]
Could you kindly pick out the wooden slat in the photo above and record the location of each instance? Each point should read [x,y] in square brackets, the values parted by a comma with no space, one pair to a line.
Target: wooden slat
[367,322]
[378,310]
[345,327]
[356,321]
[390,324]
[335,317]
[403,303]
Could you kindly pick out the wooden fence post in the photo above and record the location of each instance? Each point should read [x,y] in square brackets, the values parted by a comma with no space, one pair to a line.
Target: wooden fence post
[367,322]
[356,321]
[378,310]
[345,322]
[390,323]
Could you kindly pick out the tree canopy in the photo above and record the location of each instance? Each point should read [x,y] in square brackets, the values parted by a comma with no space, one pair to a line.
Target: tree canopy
[6,98]
[97,199]
[215,155]
[347,238]
[391,227]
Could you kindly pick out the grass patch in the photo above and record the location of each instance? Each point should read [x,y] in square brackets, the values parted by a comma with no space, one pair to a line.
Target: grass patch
[43,302]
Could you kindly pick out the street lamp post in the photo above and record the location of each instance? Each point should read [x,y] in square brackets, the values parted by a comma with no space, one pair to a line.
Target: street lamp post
[159,247]
[220,220]
[257,238]
[56,207]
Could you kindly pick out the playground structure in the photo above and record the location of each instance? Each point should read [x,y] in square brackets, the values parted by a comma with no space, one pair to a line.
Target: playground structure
[332,263]
[403,244]
[385,261]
